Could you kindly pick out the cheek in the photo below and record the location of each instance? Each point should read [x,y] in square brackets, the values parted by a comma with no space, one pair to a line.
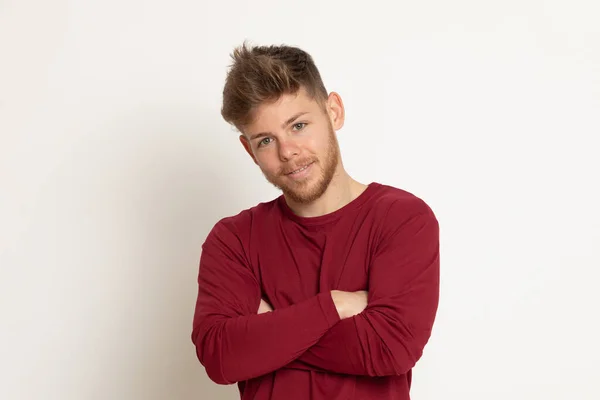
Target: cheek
[310,144]
[267,162]
[320,146]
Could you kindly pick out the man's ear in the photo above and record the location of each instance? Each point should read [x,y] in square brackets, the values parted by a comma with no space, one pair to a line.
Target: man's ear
[246,144]
[335,109]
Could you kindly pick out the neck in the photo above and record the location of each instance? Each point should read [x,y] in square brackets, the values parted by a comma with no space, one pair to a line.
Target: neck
[341,191]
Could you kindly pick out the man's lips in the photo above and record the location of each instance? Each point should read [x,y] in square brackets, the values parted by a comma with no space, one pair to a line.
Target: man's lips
[299,169]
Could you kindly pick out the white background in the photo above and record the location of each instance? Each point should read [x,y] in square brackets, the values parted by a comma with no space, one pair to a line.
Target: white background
[115,164]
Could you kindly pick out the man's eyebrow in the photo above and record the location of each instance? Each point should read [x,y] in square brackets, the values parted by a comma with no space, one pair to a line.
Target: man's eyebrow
[286,123]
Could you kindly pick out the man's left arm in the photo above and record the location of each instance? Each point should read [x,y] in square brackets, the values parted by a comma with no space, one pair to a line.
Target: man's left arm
[389,336]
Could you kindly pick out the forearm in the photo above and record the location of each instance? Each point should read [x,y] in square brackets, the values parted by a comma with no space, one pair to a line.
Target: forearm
[373,343]
[238,348]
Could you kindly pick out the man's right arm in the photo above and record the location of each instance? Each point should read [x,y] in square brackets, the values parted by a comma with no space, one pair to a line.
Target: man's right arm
[232,341]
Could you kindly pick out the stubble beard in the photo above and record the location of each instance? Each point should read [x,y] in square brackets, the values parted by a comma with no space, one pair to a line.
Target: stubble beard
[305,192]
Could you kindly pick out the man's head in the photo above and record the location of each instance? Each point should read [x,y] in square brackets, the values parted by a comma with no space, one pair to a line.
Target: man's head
[275,97]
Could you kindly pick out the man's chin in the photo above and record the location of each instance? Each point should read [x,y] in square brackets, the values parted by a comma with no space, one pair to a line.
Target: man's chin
[303,193]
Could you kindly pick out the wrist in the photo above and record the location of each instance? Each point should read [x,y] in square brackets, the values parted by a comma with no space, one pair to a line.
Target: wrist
[340,305]
[349,304]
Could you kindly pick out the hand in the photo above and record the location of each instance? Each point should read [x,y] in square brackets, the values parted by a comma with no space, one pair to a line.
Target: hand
[349,304]
[264,307]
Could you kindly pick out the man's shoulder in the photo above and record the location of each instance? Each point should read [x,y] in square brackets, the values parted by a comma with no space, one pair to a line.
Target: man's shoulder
[242,222]
[399,210]
[399,202]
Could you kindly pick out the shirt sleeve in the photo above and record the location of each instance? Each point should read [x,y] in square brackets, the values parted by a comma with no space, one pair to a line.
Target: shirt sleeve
[389,336]
[232,341]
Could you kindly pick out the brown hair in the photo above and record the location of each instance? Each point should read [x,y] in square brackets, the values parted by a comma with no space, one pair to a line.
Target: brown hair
[263,74]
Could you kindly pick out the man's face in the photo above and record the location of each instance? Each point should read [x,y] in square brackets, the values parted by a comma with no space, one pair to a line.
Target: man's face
[293,142]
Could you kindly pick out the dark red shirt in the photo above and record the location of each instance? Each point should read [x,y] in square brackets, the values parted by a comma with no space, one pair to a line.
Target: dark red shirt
[385,241]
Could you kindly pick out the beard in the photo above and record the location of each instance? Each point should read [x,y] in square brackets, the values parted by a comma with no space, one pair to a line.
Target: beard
[309,190]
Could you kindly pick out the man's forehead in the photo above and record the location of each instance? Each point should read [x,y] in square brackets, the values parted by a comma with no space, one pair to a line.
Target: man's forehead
[280,111]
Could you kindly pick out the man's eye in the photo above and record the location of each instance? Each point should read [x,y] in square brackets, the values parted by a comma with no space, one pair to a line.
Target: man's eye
[299,125]
[264,141]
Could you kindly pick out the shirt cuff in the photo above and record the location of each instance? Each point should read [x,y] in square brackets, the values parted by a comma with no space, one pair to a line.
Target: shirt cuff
[328,307]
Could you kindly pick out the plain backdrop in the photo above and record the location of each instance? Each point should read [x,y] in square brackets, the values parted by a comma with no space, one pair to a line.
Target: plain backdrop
[115,164]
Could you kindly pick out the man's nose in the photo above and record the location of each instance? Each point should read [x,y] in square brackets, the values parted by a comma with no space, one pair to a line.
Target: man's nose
[288,149]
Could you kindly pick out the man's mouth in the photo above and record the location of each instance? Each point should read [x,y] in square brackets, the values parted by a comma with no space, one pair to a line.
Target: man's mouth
[299,169]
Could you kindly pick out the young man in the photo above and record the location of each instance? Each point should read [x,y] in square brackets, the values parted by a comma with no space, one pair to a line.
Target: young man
[329,291]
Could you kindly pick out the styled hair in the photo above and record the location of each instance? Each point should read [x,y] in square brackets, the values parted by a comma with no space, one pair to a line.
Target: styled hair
[262,74]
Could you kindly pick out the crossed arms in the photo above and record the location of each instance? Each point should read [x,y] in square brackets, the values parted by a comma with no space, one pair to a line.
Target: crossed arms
[334,331]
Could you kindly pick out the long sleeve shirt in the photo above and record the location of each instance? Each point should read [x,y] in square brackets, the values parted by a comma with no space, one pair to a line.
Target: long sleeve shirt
[385,241]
